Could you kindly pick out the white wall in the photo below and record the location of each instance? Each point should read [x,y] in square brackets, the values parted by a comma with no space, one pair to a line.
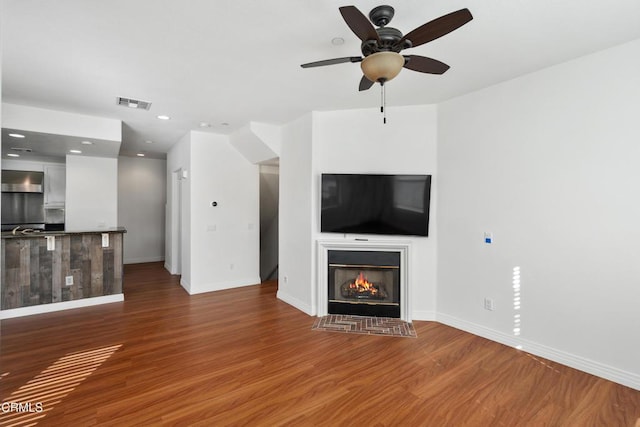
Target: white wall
[91,193]
[549,163]
[1,108]
[251,146]
[356,141]
[225,239]
[353,141]
[61,123]
[142,191]
[295,247]
[178,219]
[220,245]
[270,135]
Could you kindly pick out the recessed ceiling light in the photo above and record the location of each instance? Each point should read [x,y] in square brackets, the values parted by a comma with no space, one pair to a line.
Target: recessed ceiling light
[140,154]
[163,117]
[13,155]
[75,151]
[16,135]
[337,41]
[205,125]
[86,143]
[148,141]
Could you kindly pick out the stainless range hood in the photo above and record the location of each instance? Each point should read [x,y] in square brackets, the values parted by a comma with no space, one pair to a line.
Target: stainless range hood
[22,181]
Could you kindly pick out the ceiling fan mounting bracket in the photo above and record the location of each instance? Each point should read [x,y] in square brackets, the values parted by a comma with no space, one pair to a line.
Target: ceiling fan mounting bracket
[381,15]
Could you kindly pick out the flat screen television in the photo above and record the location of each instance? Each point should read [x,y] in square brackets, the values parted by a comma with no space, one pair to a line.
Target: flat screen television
[375,204]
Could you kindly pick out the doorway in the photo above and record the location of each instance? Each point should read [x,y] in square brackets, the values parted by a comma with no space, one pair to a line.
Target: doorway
[176,222]
[269,199]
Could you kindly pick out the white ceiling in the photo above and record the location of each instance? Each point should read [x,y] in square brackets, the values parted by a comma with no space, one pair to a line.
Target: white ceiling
[235,61]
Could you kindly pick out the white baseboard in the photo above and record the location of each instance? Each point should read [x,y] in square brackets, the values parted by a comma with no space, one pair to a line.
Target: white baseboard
[186,285]
[295,302]
[219,286]
[144,259]
[59,306]
[586,365]
[428,316]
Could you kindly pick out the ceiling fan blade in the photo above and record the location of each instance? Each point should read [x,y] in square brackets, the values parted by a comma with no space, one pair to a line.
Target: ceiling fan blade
[438,27]
[332,61]
[424,64]
[365,83]
[359,23]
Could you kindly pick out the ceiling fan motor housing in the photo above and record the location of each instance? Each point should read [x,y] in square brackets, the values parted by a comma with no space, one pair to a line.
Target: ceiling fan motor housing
[389,38]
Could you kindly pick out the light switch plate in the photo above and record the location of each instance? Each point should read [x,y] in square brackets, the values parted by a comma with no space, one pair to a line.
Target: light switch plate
[51,243]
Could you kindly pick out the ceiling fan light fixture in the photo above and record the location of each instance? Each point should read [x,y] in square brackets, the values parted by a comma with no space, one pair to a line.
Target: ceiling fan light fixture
[382,66]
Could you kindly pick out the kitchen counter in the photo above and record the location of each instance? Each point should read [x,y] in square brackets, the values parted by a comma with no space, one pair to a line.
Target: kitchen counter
[19,234]
[74,265]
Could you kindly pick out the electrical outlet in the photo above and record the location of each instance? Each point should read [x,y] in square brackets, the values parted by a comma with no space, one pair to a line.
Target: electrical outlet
[489,304]
[68,280]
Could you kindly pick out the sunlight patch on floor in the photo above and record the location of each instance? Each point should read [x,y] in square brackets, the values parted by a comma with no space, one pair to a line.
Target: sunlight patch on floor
[31,402]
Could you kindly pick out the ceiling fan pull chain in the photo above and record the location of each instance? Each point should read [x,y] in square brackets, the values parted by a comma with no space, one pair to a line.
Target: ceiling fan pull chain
[383,102]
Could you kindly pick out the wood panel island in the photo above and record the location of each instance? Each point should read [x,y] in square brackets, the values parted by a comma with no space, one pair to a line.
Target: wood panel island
[50,271]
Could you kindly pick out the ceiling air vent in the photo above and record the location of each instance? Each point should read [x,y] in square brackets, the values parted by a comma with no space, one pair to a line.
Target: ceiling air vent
[133,103]
[21,150]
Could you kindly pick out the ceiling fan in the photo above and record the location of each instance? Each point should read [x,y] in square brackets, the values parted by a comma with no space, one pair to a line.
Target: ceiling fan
[381,47]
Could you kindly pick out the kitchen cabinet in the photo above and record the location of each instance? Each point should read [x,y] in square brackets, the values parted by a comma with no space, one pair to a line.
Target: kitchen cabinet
[54,186]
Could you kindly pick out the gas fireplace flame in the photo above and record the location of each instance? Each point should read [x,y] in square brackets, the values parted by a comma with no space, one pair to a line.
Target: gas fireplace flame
[362,286]
[362,289]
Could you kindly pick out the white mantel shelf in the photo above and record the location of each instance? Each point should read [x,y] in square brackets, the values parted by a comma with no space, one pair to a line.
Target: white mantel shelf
[323,248]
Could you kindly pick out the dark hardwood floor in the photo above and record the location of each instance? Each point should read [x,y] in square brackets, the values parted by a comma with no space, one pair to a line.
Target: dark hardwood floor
[242,357]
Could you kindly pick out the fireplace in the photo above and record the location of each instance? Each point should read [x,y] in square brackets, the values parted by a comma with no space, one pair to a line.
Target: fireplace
[364,282]
[372,269]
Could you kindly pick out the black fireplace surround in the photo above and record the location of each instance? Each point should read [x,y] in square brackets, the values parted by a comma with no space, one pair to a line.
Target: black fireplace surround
[364,283]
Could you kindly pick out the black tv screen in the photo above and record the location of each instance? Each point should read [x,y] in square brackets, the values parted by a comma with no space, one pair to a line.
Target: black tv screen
[375,204]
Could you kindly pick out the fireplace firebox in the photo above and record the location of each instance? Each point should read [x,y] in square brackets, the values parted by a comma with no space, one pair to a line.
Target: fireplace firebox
[365,283]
